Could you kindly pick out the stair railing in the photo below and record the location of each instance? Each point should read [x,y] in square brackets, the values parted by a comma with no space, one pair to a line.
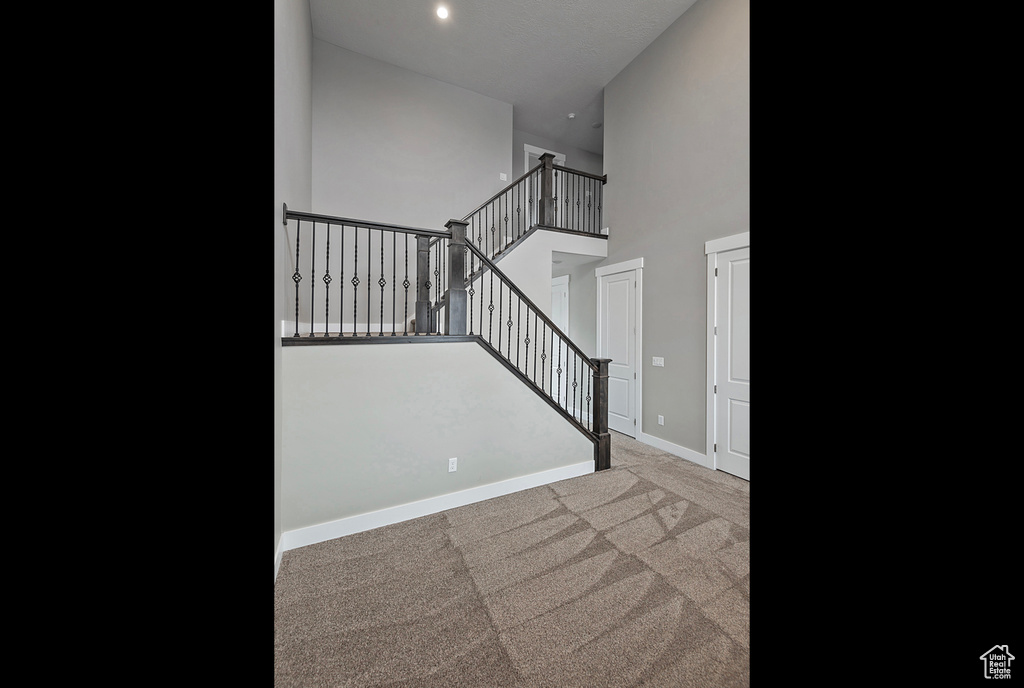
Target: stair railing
[355,278]
[549,196]
[466,292]
[577,198]
[535,349]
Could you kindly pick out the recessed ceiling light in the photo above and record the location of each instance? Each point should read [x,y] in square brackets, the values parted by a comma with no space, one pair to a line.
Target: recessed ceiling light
[442,12]
[572,115]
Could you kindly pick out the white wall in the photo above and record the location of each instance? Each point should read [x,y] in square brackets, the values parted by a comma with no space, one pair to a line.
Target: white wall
[677,155]
[372,427]
[394,146]
[293,38]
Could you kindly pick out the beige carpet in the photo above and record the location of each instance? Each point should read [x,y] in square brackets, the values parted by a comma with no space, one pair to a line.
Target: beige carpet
[635,576]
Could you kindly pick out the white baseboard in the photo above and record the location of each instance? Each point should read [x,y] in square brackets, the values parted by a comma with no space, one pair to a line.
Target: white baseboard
[375,519]
[677,450]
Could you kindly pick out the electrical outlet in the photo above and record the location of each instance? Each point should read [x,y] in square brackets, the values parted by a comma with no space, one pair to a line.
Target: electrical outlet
[502,176]
[452,465]
[659,361]
[661,420]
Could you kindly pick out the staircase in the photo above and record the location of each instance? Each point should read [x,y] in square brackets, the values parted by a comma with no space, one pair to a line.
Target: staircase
[446,286]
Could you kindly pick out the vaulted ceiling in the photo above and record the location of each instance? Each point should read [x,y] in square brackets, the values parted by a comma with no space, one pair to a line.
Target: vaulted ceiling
[547,58]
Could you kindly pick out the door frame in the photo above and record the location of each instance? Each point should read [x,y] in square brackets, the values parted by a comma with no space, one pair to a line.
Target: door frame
[636,266]
[712,249]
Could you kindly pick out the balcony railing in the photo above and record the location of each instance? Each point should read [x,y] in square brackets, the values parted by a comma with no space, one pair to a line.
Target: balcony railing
[364,281]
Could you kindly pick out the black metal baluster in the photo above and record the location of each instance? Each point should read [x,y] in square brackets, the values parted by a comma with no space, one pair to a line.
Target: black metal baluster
[369,275]
[490,308]
[554,200]
[381,282]
[534,348]
[499,316]
[471,293]
[296,276]
[570,179]
[570,182]
[439,274]
[341,290]
[590,205]
[574,389]
[543,354]
[355,281]
[327,283]
[494,239]
[480,245]
[567,221]
[526,345]
[559,370]
[591,423]
[595,189]
[576,185]
[511,193]
[583,385]
[394,279]
[405,284]
[529,200]
[426,276]
[570,356]
[519,309]
[509,350]
[518,194]
[312,278]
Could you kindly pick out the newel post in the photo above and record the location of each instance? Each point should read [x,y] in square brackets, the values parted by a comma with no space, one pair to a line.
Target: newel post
[546,208]
[603,448]
[456,301]
[423,314]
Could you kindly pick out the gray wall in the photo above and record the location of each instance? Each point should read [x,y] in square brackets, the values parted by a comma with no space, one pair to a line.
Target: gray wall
[373,426]
[393,146]
[293,39]
[677,155]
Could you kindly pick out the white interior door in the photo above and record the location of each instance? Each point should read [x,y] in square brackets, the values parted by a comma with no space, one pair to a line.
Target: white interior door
[732,365]
[617,341]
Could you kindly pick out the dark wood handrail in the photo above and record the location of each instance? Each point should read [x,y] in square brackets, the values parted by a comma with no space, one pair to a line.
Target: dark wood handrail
[501,193]
[330,219]
[602,178]
[526,299]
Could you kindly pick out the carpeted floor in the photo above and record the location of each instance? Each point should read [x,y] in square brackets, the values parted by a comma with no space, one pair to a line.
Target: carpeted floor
[635,576]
